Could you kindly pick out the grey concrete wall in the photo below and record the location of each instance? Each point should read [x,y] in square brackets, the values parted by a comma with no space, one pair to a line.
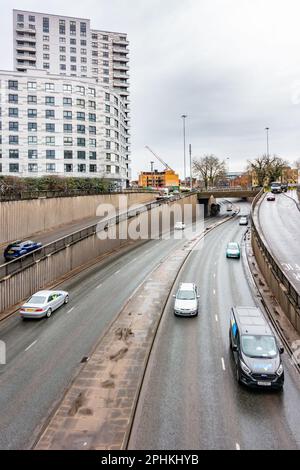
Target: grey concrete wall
[20,286]
[20,219]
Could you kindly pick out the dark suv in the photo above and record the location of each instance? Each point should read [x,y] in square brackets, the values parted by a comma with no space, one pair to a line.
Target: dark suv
[255,350]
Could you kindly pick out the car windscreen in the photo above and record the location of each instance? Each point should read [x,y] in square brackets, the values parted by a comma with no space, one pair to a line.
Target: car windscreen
[232,246]
[259,346]
[186,295]
[37,300]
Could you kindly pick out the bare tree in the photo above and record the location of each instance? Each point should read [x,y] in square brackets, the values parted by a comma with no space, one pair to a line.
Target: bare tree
[209,168]
[297,164]
[267,168]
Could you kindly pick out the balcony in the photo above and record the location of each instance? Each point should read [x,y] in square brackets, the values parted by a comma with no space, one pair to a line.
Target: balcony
[26,55]
[25,48]
[120,42]
[121,84]
[120,74]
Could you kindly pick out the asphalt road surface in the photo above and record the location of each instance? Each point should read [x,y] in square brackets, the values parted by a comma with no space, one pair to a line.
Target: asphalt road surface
[280,225]
[43,356]
[190,398]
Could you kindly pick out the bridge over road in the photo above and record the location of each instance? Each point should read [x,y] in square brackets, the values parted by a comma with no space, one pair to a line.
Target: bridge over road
[208,197]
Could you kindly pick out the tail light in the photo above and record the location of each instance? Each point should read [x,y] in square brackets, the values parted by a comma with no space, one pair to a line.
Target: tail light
[38,310]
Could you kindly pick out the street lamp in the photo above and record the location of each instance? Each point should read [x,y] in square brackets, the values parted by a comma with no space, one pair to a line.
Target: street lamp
[184,116]
[267,129]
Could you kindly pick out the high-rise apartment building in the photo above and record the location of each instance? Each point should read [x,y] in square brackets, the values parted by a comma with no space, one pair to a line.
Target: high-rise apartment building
[65,108]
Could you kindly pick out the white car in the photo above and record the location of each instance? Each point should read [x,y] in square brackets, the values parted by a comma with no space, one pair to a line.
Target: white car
[186,300]
[244,220]
[44,303]
[179,226]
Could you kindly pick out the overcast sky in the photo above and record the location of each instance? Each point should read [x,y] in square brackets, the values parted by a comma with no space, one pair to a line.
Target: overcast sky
[233,66]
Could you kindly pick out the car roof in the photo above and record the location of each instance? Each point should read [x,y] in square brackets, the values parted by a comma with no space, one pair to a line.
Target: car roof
[251,321]
[45,292]
[187,286]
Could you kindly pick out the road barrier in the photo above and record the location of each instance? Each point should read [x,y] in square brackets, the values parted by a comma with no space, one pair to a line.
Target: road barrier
[24,276]
[285,292]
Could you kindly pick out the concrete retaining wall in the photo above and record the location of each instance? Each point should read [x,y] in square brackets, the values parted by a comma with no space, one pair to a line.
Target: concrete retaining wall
[47,270]
[20,219]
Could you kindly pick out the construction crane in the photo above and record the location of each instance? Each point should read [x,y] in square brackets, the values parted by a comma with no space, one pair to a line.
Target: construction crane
[159,159]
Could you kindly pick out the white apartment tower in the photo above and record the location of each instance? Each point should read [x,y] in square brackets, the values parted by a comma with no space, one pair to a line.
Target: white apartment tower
[70,91]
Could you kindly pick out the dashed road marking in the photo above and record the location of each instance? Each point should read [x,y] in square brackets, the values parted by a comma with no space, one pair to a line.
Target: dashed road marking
[223,363]
[217,318]
[98,287]
[30,346]
[214,291]
[117,272]
[71,310]
[237,446]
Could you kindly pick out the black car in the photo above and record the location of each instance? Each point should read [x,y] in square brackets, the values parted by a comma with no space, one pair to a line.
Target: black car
[256,353]
[284,187]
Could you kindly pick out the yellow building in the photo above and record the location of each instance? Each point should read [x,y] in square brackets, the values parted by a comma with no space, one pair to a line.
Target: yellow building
[159,179]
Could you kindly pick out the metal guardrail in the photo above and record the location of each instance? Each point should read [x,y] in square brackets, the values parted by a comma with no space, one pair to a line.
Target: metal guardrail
[291,290]
[28,195]
[19,264]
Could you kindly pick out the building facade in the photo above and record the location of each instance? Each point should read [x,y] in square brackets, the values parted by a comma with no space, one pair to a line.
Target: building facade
[66,126]
[159,179]
[68,52]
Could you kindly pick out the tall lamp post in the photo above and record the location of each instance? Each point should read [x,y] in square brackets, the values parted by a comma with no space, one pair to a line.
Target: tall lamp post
[184,116]
[268,150]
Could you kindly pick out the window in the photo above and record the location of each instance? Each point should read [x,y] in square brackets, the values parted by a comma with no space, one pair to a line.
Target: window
[31,99]
[93,155]
[50,167]
[68,141]
[105,37]
[105,80]
[80,142]
[92,91]
[80,90]
[73,68]
[50,100]
[83,69]
[32,113]
[46,38]
[80,116]
[81,129]
[92,129]
[32,140]
[46,56]
[105,54]
[62,58]
[83,51]
[116,100]
[32,127]
[13,112]
[50,154]
[107,145]
[68,128]
[32,154]
[50,127]
[73,50]
[63,67]
[95,53]
[68,154]
[46,66]
[62,27]
[94,36]
[108,168]
[67,114]
[72,28]
[20,18]
[46,47]
[12,84]
[50,114]
[107,132]
[107,121]
[93,143]
[81,155]
[68,168]
[92,104]
[73,59]
[105,63]
[49,87]
[50,140]
[108,156]
[107,108]
[67,87]
[81,168]
[83,42]
[45,25]
[62,40]
[31,85]
[67,101]
[82,29]
[13,99]
[73,42]
[32,167]
[13,153]
[14,167]
[14,126]
[62,49]
[13,140]
[92,117]
[93,168]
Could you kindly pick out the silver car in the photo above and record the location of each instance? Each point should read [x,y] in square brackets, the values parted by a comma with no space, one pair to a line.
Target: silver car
[186,300]
[44,303]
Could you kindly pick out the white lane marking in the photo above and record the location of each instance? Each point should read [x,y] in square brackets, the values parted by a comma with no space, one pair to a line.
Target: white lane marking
[214,275]
[217,318]
[214,291]
[98,287]
[71,310]
[237,446]
[117,272]
[223,363]
[30,346]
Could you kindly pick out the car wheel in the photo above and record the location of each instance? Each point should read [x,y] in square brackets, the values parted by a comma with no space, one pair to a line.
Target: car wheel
[49,313]
[67,298]
[238,375]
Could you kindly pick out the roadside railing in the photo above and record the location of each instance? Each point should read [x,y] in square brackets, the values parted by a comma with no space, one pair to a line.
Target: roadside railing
[280,274]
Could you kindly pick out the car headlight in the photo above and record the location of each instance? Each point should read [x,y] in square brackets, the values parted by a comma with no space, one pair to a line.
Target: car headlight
[245,368]
[279,370]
